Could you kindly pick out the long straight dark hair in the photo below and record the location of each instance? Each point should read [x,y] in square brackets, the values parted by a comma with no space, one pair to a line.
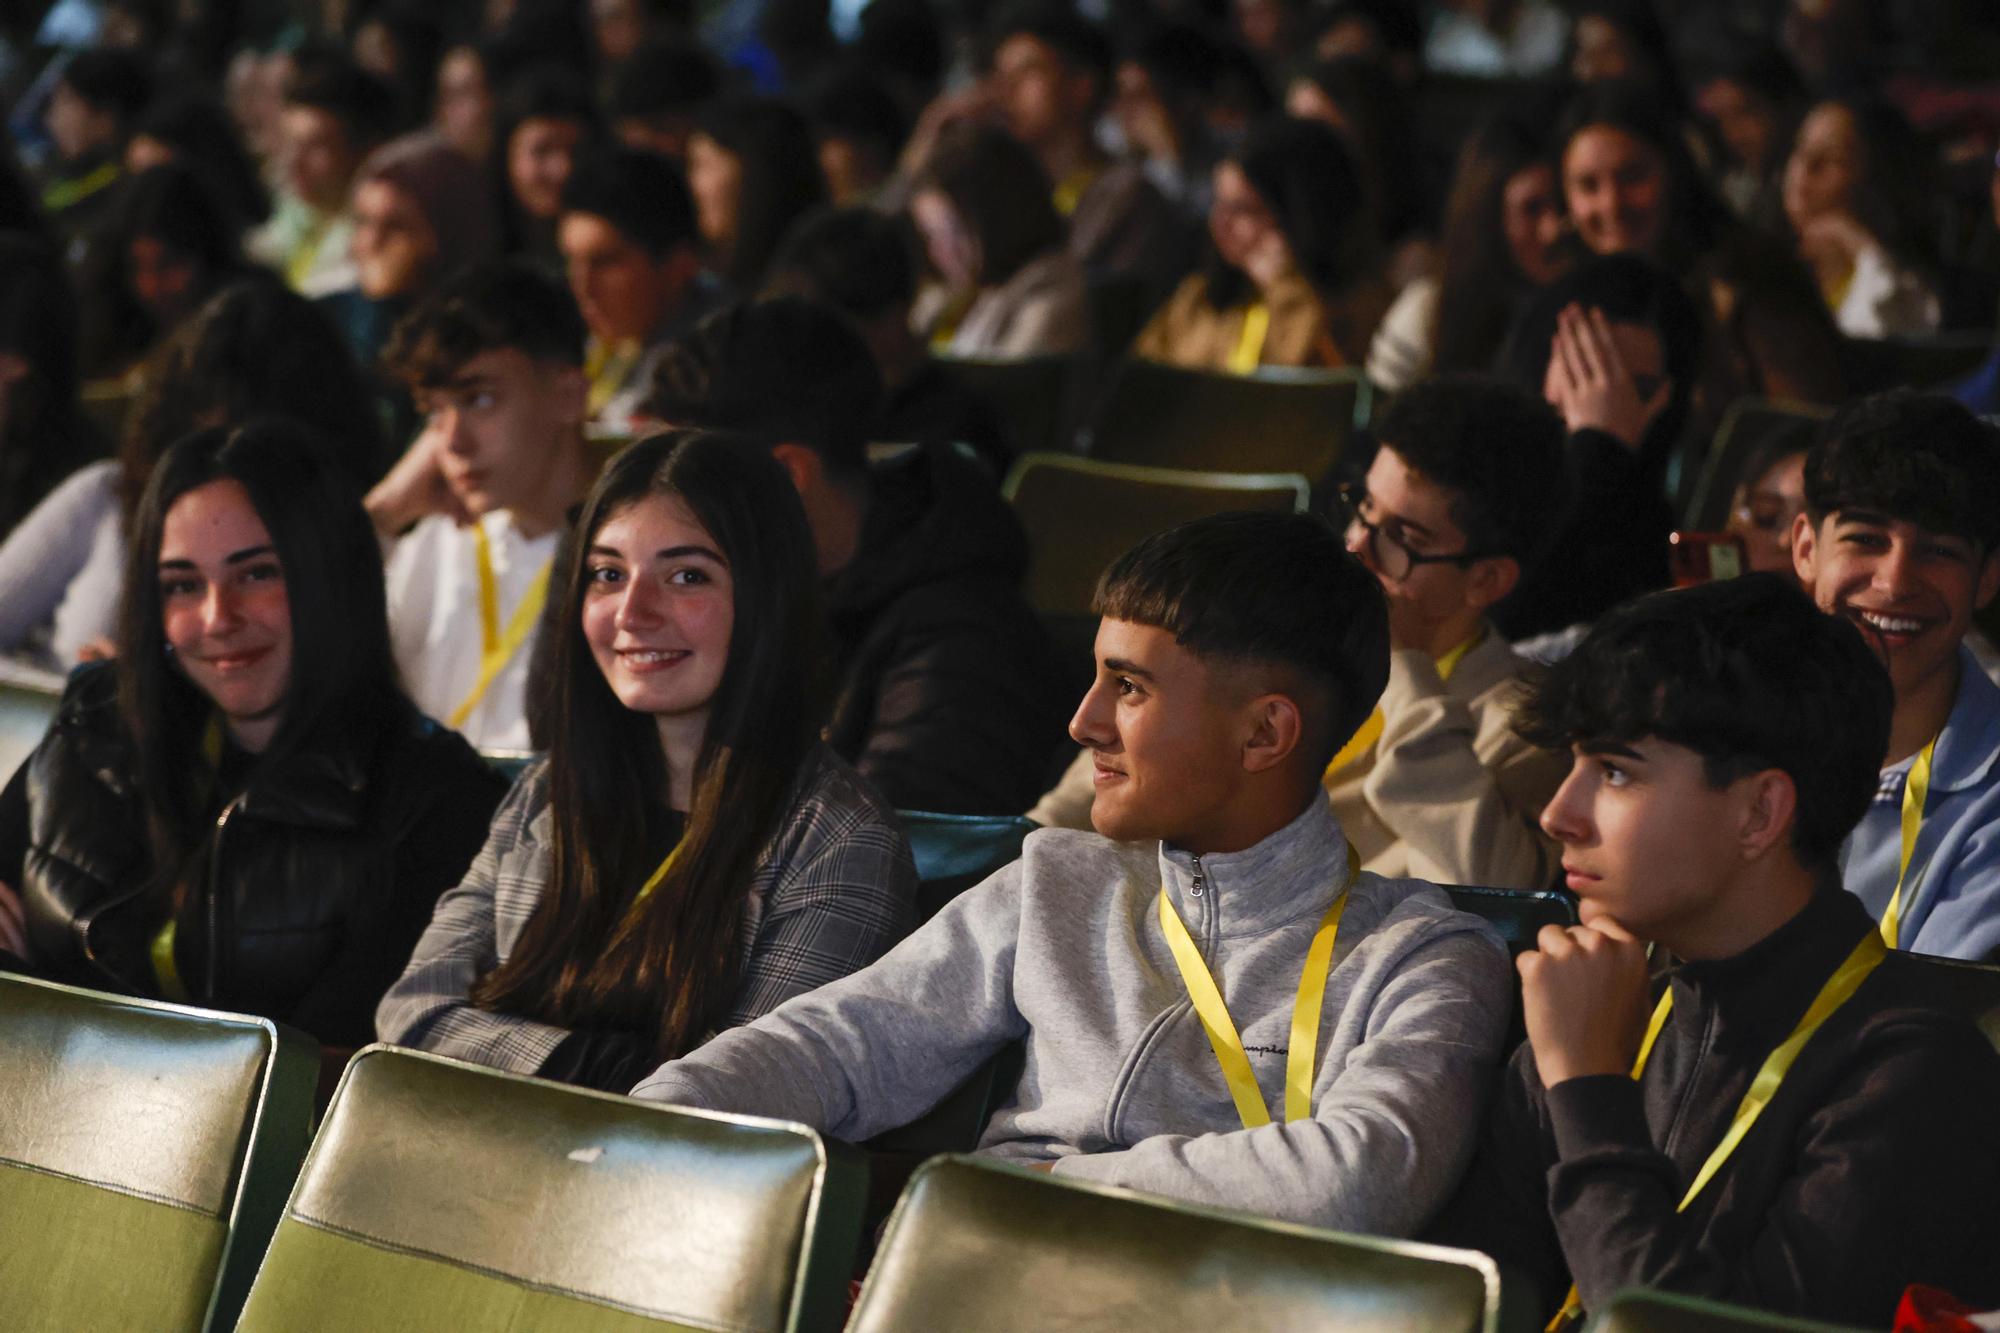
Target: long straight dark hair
[1480,287]
[343,673]
[1307,178]
[671,969]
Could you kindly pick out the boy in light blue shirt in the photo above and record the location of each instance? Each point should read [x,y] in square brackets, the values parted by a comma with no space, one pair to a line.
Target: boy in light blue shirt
[1901,535]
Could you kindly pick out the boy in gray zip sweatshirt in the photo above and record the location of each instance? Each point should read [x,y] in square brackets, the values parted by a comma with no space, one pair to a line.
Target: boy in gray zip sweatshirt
[1236,655]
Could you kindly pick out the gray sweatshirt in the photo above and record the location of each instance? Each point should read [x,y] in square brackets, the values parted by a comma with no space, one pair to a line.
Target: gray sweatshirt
[1063,950]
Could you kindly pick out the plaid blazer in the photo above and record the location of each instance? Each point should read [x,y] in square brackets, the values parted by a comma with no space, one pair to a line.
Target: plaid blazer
[835,888]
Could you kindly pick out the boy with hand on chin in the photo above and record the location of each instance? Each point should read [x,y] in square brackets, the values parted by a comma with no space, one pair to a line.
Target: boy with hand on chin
[1901,536]
[1236,654]
[1724,742]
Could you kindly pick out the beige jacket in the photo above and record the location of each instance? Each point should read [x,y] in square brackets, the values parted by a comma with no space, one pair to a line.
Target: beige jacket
[1305,330]
[1449,794]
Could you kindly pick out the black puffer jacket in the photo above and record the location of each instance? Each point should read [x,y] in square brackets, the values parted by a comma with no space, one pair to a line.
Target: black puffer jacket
[305,900]
[947,694]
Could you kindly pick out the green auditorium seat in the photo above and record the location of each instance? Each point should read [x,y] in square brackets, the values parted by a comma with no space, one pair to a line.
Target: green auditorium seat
[975,1246]
[145,1151]
[955,852]
[1277,420]
[1744,429]
[1081,514]
[1657,1312]
[442,1195]
[1517,914]
[1030,395]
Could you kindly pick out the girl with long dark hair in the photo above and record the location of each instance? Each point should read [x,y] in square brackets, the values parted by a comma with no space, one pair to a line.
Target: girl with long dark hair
[753,170]
[1500,244]
[689,855]
[1291,277]
[244,810]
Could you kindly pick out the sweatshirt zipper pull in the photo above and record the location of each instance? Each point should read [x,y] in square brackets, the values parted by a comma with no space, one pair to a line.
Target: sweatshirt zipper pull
[1198,880]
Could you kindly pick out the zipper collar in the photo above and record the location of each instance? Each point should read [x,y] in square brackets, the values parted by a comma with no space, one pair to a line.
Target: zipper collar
[1292,873]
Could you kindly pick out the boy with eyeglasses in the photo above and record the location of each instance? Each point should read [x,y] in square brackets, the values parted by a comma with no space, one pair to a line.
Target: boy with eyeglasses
[1436,785]
[1792,1117]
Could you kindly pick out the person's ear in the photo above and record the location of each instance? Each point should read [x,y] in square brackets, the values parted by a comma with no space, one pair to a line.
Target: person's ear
[1274,729]
[802,465]
[1770,806]
[1805,549]
[1989,581]
[1491,579]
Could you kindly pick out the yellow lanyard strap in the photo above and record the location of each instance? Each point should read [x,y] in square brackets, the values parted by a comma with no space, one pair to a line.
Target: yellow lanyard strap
[1362,741]
[1221,1029]
[606,369]
[1846,979]
[165,970]
[1916,790]
[497,649]
[1070,190]
[1249,350]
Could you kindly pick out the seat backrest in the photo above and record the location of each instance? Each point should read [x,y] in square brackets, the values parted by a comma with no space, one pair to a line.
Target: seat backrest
[1517,914]
[1029,396]
[955,852]
[1922,362]
[25,714]
[1081,514]
[509,764]
[443,1195]
[1745,427]
[1639,1311]
[145,1151]
[975,1246]
[1277,420]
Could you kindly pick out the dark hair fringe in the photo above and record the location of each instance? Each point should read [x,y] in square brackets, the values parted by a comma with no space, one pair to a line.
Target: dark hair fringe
[1748,674]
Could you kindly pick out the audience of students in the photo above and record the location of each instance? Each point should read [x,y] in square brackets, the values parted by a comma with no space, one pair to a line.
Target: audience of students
[629,241]
[1007,286]
[1724,742]
[90,112]
[1235,655]
[816,569]
[1500,241]
[476,508]
[753,170]
[1901,536]
[420,211]
[244,811]
[333,116]
[862,263]
[1435,784]
[690,855]
[1853,194]
[255,350]
[946,693]
[43,434]
[1289,279]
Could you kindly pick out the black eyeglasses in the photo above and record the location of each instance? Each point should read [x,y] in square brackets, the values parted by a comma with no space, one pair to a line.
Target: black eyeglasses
[1385,545]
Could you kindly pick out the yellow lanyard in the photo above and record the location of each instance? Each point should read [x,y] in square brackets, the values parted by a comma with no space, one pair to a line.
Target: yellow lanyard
[606,369]
[1362,741]
[497,649]
[1846,979]
[1249,351]
[1916,790]
[1221,1029]
[165,970]
[1069,193]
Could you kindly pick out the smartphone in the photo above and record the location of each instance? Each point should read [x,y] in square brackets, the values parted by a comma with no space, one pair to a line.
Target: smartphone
[1703,557]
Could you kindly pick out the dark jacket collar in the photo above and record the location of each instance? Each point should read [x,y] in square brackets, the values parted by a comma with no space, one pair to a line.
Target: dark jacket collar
[1757,996]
